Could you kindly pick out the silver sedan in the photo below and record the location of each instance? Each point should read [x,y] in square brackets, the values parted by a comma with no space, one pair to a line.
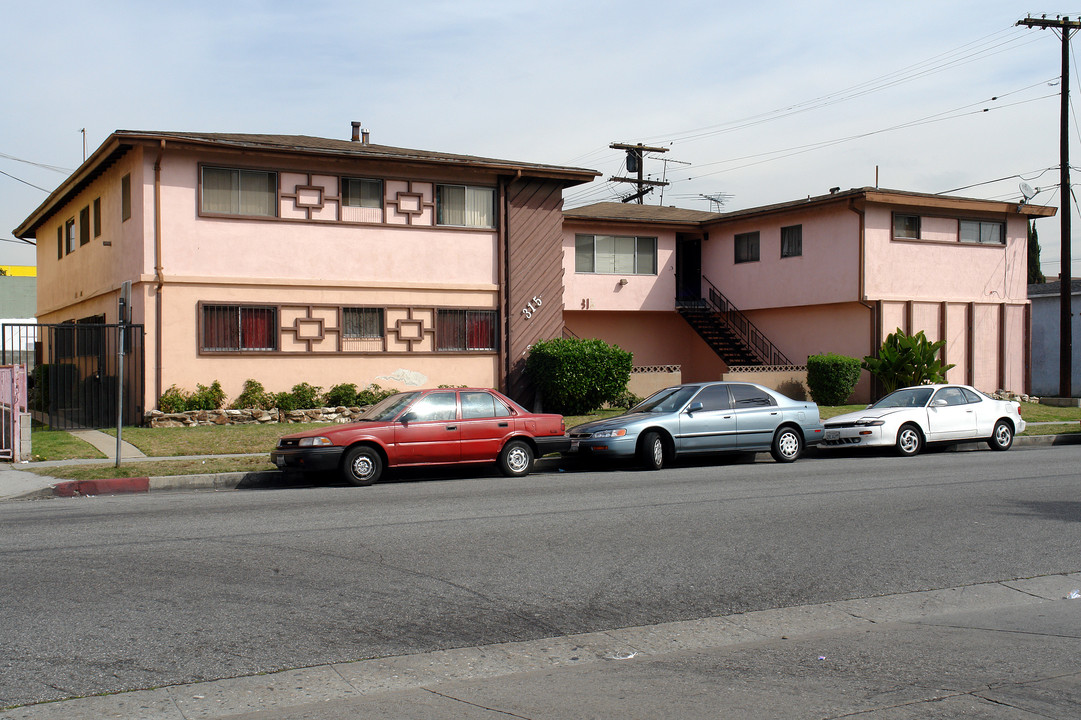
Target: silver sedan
[703,418]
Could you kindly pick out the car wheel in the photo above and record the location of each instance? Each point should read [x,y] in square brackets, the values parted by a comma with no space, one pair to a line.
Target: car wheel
[1002,437]
[909,440]
[787,445]
[651,451]
[516,460]
[362,466]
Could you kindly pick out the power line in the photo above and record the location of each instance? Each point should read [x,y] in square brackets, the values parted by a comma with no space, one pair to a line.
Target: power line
[24,182]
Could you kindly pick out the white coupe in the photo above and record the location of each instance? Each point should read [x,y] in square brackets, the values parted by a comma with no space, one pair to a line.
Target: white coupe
[909,418]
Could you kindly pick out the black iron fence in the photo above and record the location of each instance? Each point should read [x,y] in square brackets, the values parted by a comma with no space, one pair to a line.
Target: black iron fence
[74,372]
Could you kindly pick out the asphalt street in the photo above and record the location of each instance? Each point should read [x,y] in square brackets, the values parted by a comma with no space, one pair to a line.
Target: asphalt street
[117,594]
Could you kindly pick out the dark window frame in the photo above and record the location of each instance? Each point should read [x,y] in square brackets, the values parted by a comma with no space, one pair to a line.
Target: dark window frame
[980,225]
[441,209]
[97,217]
[69,236]
[367,317]
[240,173]
[645,247]
[347,196]
[911,229]
[747,247]
[792,241]
[466,330]
[125,198]
[218,333]
[84,226]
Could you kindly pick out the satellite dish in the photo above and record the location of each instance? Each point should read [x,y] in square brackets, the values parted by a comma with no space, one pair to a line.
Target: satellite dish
[1026,191]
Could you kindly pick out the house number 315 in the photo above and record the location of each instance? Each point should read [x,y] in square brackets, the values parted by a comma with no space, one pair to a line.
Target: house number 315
[532,307]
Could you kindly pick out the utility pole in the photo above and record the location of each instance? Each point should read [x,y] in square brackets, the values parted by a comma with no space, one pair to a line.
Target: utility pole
[1066,28]
[634,163]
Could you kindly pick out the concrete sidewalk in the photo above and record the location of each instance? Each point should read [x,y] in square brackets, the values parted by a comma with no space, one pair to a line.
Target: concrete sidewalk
[1003,651]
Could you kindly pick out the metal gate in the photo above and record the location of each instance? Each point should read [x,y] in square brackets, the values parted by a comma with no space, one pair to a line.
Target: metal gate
[73,372]
[12,409]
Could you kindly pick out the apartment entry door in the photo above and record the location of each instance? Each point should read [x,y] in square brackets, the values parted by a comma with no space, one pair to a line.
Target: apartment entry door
[688,268]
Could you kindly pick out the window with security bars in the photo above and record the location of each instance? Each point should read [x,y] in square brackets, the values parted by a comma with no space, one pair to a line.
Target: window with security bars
[466,330]
[232,328]
[362,329]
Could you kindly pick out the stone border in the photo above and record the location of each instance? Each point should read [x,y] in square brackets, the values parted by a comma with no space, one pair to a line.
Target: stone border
[252,416]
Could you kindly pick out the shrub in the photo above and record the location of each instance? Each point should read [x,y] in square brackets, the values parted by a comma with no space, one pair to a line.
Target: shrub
[905,360]
[173,400]
[306,397]
[373,394]
[253,396]
[832,378]
[344,395]
[575,375]
[207,398]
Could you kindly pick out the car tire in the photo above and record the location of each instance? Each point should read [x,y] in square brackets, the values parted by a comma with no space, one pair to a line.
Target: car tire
[787,445]
[362,465]
[909,440]
[516,460]
[1002,437]
[651,451]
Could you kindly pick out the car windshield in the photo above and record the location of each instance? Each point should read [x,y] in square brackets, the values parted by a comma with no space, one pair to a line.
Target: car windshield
[667,400]
[909,397]
[388,408]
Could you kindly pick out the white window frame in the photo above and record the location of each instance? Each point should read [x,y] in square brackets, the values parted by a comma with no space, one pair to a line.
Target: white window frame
[985,231]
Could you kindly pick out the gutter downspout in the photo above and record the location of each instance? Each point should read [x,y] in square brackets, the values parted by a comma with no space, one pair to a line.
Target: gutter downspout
[502,255]
[861,290]
[159,275]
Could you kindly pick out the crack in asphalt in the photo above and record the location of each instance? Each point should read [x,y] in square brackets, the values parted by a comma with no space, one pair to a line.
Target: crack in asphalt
[482,707]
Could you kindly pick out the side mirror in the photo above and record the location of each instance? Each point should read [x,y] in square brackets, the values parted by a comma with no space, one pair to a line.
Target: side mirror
[938,402]
[694,407]
[407,418]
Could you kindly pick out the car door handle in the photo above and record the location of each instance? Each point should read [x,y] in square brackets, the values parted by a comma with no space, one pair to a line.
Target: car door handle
[452,427]
[504,424]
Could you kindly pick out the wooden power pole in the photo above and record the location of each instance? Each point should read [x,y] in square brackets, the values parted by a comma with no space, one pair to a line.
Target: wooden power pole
[1066,28]
[634,164]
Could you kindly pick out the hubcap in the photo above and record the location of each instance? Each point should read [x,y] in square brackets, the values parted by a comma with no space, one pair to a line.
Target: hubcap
[909,441]
[363,467]
[658,452]
[517,459]
[789,445]
[1002,437]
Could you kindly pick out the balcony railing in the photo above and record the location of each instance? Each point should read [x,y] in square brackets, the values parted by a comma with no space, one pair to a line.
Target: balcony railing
[738,323]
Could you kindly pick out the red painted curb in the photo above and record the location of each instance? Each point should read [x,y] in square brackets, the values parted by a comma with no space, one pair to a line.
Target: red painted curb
[112,486]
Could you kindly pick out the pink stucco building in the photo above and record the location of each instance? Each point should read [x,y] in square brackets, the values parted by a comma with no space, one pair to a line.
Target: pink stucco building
[835,273]
[290,259]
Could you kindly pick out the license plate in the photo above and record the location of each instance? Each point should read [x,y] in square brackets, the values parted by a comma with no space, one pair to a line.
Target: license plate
[574,446]
[833,434]
[280,461]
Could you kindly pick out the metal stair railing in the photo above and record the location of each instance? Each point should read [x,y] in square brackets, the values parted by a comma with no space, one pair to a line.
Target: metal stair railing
[738,323]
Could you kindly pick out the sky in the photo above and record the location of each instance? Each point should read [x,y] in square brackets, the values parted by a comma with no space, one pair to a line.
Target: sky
[756,103]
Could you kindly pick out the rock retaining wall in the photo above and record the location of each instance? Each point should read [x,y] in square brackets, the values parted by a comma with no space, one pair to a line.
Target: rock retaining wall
[252,416]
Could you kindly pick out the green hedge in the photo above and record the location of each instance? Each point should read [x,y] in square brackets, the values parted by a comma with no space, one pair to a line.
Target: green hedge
[575,376]
[832,378]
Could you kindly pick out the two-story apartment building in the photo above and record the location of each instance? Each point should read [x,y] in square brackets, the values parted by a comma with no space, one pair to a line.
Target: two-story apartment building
[291,259]
[834,273]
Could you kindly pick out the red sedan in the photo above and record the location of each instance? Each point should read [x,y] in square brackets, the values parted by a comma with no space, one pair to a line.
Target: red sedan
[427,427]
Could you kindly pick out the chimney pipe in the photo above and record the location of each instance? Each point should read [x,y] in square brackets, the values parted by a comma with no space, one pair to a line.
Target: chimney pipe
[356,130]
[364,135]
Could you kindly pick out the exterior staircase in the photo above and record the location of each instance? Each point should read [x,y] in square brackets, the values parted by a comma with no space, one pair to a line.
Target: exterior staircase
[729,332]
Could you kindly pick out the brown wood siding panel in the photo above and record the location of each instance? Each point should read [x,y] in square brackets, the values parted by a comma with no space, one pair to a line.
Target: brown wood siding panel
[534,269]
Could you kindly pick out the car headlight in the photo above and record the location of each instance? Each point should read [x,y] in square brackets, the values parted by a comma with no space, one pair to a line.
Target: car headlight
[314,442]
[865,423]
[609,433]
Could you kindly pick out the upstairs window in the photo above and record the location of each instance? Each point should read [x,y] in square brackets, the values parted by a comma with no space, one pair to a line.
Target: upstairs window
[615,255]
[125,197]
[361,192]
[747,247]
[465,206]
[466,330]
[239,192]
[239,327]
[69,236]
[906,227]
[97,217]
[792,241]
[980,231]
[84,225]
[362,323]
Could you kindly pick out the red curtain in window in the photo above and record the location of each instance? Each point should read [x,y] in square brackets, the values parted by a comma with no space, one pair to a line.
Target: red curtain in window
[219,324]
[257,328]
[479,330]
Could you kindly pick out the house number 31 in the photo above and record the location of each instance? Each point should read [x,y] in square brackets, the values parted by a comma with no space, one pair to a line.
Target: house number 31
[532,307]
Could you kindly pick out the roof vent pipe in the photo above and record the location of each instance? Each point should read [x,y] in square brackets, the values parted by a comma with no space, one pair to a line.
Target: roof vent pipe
[356,130]
[364,135]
